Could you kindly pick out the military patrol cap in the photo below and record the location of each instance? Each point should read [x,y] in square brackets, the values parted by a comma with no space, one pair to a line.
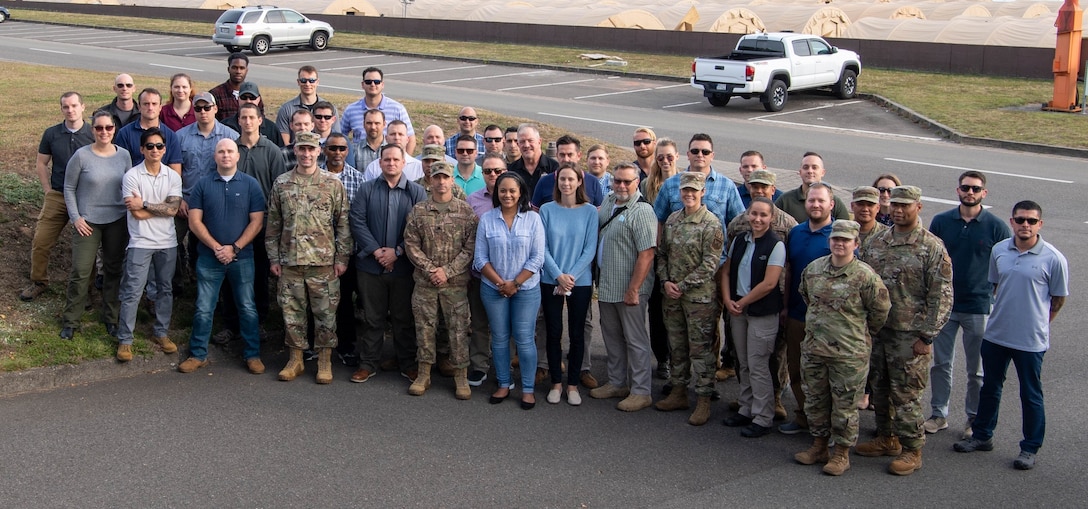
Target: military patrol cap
[204,96]
[845,228]
[308,139]
[249,87]
[692,180]
[906,194]
[866,193]
[762,177]
[433,152]
[441,167]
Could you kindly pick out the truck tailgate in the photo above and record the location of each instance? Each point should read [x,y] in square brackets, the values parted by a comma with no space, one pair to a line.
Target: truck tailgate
[720,71]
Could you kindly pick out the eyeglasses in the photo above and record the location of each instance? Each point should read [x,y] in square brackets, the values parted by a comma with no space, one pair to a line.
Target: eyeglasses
[623,182]
[1029,220]
[322,117]
[372,82]
[125,85]
[203,108]
[703,151]
[466,118]
[973,189]
[337,148]
[100,128]
[493,171]
[307,80]
[884,190]
[154,146]
[492,140]
[666,157]
[644,141]
[465,150]
[248,97]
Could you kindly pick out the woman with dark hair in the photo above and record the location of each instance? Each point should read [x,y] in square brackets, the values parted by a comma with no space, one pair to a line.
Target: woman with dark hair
[509,255]
[570,232]
[92,193]
[884,185]
[179,111]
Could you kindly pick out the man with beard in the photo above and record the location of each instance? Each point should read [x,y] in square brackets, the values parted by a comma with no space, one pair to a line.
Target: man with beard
[226,93]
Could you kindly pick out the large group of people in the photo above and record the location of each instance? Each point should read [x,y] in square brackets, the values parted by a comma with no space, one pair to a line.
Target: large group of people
[483,242]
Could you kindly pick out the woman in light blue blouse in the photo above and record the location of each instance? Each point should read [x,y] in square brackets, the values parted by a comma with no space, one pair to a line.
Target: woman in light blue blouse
[509,255]
[570,231]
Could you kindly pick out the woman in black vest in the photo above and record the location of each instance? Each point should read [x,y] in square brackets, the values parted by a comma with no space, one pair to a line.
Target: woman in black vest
[754,301]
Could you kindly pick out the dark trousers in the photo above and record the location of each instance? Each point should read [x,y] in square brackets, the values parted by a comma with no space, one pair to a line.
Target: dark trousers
[659,337]
[387,299]
[1029,369]
[577,307]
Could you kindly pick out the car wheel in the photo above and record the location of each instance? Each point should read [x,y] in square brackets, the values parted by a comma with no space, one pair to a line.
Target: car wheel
[319,41]
[718,100]
[260,45]
[3,17]
[847,87]
[774,99]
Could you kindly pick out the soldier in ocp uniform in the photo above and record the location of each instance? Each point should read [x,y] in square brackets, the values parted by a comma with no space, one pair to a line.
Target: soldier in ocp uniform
[440,240]
[309,243]
[918,273]
[688,256]
[847,305]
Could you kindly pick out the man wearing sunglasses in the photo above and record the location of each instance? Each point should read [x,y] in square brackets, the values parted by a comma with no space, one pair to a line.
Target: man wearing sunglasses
[644,142]
[123,106]
[374,98]
[307,98]
[493,142]
[969,232]
[467,122]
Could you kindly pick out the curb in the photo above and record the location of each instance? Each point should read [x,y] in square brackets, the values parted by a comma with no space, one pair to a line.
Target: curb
[55,377]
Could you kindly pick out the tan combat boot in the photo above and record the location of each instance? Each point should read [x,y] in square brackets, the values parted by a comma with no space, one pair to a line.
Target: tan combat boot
[816,454]
[907,462]
[676,400]
[324,365]
[779,410]
[460,382]
[294,366]
[701,413]
[422,381]
[880,446]
[839,462]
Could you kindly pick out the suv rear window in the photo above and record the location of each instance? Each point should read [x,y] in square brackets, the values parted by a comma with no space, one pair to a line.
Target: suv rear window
[229,17]
[252,17]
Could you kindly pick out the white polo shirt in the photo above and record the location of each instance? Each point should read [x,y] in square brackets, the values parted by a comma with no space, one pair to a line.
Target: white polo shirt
[155,232]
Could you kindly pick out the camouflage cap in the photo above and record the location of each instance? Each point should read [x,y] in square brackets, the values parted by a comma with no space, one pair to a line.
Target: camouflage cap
[441,167]
[433,152]
[308,139]
[204,96]
[692,180]
[866,193]
[249,87]
[906,194]
[762,177]
[845,228]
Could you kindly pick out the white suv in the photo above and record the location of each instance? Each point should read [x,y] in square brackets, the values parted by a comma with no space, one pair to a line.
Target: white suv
[262,27]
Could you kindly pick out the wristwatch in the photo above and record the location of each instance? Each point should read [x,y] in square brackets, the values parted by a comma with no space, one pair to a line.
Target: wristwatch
[144,207]
[236,248]
[928,341]
[517,284]
[398,251]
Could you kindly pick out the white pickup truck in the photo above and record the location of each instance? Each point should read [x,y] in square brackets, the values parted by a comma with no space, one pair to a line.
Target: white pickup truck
[769,66]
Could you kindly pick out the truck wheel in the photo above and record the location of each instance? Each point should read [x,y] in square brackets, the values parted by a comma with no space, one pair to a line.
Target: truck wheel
[774,99]
[718,100]
[260,45]
[847,87]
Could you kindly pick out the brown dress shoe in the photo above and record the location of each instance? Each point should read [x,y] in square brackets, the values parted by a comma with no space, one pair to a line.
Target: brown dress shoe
[255,366]
[191,364]
[362,375]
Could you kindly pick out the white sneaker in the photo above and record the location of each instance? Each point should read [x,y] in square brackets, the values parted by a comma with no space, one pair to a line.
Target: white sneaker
[553,396]
[573,397]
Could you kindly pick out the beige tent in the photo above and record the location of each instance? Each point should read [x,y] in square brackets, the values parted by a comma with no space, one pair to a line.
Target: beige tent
[816,19]
[1023,9]
[1004,31]
[947,11]
[222,5]
[857,10]
[736,20]
[633,18]
[682,17]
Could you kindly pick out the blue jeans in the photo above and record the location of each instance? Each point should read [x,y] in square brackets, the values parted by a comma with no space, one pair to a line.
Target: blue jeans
[514,316]
[1029,368]
[140,266]
[944,356]
[209,279]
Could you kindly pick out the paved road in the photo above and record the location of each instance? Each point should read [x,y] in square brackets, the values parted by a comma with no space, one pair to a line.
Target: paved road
[225,438]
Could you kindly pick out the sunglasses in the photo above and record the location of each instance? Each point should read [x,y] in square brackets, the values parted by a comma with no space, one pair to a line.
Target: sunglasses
[644,141]
[884,190]
[248,97]
[493,171]
[337,148]
[623,182]
[307,80]
[154,146]
[465,150]
[666,157]
[101,128]
[466,118]
[703,151]
[973,189]
[323,117]
[372,82]
[493,140]
[125,85]
[1029,220]
[203,108]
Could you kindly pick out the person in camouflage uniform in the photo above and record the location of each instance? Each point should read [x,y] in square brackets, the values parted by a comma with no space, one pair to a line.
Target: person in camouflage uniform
[439,239]
[865,205]
[309,243]
[688,256]
[917,270]
[432,154]
[847,304]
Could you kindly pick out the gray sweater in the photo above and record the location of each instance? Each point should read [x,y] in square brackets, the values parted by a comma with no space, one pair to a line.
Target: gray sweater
[92,185]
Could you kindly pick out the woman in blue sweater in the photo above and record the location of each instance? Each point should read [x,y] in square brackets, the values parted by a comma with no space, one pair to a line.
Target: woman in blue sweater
[570,232]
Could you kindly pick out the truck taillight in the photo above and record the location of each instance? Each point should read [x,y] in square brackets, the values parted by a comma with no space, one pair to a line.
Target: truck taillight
[238,30]
[693,67]
[749,72]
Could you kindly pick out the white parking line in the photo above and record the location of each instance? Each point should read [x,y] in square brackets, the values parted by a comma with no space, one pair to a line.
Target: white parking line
[434,70]
[321,60]
[844,129]
[530,73]
[814,108]
[49,51]
[85,38]
[921,163]
[384,65]
[663,87]
[614,93]
[592,120]
[109,41]
[545,85]
[174,43]
[176,67]
[681,104]
[202,53]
